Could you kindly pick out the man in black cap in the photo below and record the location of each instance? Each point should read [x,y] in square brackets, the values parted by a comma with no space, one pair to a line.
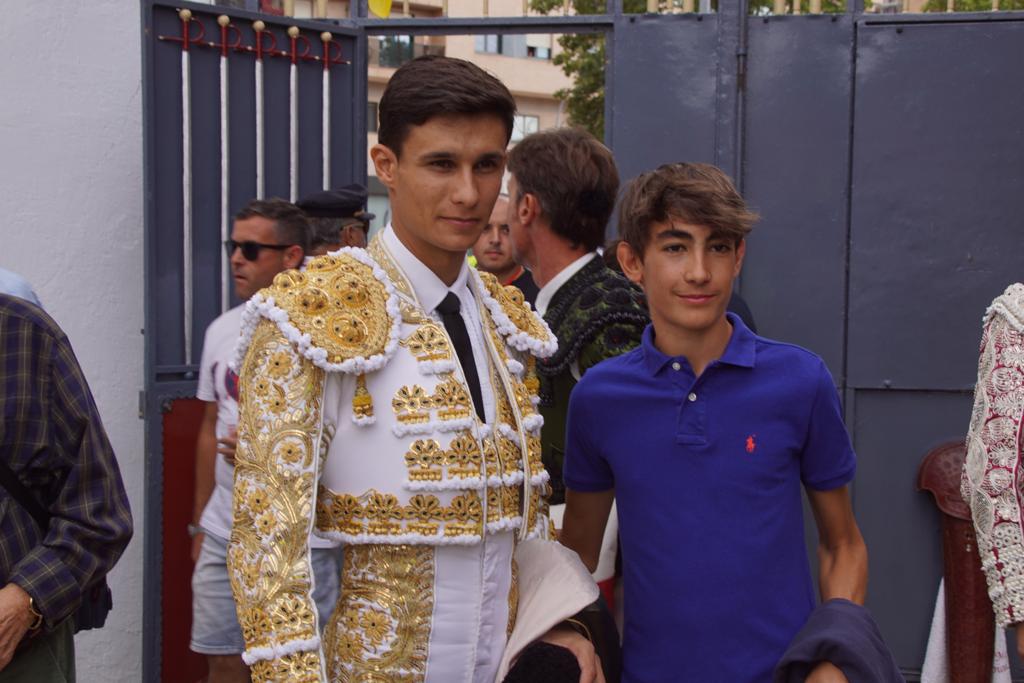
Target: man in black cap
[338,218]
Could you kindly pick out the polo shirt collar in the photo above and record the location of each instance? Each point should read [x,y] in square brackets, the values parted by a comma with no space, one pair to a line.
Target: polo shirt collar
[741,350]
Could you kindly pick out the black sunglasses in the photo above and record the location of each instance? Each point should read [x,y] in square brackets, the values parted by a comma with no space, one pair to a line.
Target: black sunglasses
[251,250]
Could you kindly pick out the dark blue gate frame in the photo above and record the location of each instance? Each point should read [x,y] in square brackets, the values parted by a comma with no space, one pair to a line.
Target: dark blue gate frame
[727,92]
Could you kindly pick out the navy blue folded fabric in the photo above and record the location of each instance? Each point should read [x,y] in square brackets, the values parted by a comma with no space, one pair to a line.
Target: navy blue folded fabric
[845,634]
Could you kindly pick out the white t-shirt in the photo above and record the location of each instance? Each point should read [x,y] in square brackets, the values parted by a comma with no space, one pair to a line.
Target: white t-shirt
[218,383]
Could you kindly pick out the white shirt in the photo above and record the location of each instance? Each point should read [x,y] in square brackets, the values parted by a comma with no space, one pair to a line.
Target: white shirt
[430,290]
[219,384]
[548,291]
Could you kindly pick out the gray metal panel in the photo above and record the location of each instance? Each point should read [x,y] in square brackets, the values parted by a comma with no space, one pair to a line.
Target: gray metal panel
[938,194]
[796,176]
[164,182]
[892,431]
[664,107]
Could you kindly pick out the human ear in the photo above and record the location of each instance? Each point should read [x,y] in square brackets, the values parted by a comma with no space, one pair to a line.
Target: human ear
[293,256]
[385,162]
[528,209]
[632,264]
[741,250]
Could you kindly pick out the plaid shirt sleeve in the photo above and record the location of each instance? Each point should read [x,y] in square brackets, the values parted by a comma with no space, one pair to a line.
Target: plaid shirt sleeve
[57,446]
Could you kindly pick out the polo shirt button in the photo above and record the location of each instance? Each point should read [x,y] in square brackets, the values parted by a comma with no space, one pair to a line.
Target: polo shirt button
[692,397]
[676,365]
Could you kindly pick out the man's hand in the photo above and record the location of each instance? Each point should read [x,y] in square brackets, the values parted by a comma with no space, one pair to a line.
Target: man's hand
[226,446]
[590,663]
[826,672]
[15,619]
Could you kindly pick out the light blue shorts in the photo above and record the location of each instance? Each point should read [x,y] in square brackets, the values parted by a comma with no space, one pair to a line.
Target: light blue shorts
[215,629]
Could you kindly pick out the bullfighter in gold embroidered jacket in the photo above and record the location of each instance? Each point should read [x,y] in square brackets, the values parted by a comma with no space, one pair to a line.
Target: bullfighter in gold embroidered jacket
[355,421]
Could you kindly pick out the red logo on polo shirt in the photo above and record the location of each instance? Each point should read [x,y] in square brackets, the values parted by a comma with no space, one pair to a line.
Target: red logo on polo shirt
[751,444]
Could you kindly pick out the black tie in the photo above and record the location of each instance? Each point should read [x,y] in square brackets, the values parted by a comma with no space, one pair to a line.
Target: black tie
[452,319]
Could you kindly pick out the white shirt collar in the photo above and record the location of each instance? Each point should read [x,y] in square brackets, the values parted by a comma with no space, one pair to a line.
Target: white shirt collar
[430,290]
[548,291]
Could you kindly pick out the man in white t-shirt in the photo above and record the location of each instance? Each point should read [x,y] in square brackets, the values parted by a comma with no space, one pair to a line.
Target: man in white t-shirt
[268,237]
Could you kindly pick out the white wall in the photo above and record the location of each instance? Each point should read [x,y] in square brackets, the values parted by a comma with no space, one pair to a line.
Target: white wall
[71,208]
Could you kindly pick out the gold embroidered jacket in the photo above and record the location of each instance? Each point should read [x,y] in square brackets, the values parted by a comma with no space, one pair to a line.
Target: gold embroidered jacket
[355,421]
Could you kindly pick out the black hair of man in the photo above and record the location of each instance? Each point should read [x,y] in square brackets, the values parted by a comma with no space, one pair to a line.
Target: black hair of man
[431,86]
[290,223]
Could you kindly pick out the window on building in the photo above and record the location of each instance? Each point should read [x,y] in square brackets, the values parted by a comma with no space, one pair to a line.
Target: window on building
[533,45]
[371,117]
[538,45]
[523,125]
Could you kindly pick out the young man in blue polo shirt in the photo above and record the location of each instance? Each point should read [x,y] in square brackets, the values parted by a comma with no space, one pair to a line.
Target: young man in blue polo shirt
[704,435]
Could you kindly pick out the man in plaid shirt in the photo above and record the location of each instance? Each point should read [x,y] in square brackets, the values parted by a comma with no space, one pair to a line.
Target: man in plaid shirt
[52,438]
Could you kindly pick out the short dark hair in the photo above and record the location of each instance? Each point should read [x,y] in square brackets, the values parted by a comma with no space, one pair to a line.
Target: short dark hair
[574,178]
[290,223]
[700,194]
[432,86]
[324,232]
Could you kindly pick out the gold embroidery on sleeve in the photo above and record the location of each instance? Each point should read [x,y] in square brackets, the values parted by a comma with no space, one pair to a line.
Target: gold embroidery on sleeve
[275,473]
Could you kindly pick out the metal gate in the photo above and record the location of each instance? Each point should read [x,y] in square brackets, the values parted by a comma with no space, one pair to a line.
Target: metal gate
[882,151]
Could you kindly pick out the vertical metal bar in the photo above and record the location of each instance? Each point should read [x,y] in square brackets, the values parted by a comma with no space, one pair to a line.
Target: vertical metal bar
[288,7]
[950,5]
[325,114]
[687,6]
[293,119]
[526,7]
[815,6]
[258,26]
[565,6]
[848,243]
[444,8]
[652,6]
[995,5]
[780,7]
[320,9]
[739,152]
[225,163]
[796,6]
[186,183]
[487,7]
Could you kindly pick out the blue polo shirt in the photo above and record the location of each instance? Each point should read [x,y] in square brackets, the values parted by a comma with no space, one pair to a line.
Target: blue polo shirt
[707,474]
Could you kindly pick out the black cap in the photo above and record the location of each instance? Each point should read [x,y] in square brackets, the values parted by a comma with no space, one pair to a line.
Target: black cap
[345,202]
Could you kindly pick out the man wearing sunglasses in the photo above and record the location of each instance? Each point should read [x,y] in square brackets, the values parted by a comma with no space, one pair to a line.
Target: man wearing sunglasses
[269,236]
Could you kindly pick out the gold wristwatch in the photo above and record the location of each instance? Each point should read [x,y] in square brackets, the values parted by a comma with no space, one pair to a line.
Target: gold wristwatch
[36,614]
